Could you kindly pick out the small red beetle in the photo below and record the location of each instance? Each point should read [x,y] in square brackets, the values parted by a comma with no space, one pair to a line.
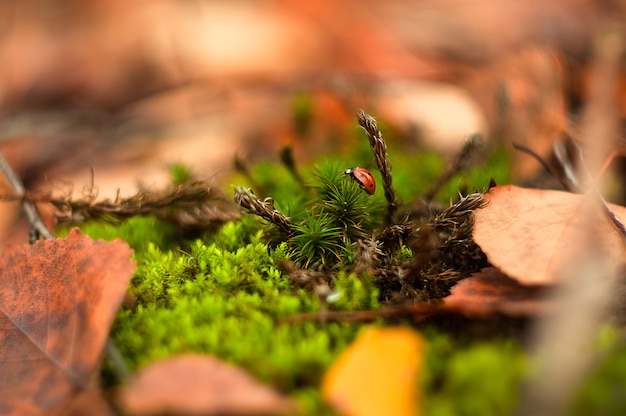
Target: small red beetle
[363,177]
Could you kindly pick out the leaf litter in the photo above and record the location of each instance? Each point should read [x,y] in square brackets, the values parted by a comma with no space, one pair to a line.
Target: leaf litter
[58,299]
[523,232]
[192,384]
[491,288]
[530,235]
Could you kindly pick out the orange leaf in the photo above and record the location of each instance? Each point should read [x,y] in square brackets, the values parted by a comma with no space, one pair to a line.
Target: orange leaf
[376,375]
[58,299]
[199,385]
[489,292]
[531,235]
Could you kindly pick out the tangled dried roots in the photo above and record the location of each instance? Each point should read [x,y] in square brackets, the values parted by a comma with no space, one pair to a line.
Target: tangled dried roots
[443,252]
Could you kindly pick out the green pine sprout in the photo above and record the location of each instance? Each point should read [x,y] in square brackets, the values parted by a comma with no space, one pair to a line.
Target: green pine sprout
[317,241]
[347,205]
[327,175]
[320,236]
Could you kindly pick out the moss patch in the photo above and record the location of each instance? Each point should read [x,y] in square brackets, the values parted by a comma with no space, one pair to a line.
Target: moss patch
[225,294]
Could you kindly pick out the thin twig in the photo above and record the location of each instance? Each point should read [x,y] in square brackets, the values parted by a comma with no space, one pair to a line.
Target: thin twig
[457,165]
[617,223]
[117,360]
[563,180]
[416,311]
[286,156]
[190,197]
[379,147]
[561,154]
[29,207]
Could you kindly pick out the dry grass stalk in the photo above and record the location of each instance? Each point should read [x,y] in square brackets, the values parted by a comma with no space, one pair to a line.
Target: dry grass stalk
[379,147]
[246,199]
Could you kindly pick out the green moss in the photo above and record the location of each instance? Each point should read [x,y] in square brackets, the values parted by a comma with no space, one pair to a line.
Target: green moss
[139,232]
[355,293]
[604,392]
[414,173]
[223,294]
[496,167]
[180,173]
[471,378]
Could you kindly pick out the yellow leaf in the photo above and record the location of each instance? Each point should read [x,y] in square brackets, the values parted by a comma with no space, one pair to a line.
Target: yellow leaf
[376,375]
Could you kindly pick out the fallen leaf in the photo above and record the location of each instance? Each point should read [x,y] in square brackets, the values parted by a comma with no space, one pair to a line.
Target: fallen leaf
[376,375]
[199,385]
[91,402]
[490,291]
[531,235]
[58,299]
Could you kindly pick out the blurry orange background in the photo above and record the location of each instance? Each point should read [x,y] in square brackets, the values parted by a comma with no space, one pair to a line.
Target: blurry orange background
[124,88]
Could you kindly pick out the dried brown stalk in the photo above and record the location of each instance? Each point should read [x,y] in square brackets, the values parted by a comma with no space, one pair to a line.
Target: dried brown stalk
[367,256]
[417,312]
[393,236]
[192,203]
[443,252]
[303,278]
[379,147]
[28,206]
[459,163]
[286,157]
[245,198]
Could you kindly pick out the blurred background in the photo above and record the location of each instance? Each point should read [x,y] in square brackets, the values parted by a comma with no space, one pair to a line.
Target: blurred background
[122,89]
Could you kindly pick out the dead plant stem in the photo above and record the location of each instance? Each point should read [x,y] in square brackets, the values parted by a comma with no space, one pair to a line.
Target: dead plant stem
[29,207]
[379,147]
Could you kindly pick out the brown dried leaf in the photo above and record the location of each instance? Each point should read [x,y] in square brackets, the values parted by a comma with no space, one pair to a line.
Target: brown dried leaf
[91,402]
[531,235]
[490,291]
[58,299]
[199,385]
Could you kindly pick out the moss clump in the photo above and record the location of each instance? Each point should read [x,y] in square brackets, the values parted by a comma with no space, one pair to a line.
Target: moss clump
[462,378]
[225,295]
[604,393]
[321,231]
[138,232]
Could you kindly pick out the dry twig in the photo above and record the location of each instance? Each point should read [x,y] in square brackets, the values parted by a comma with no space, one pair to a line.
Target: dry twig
[28,206]
[458,164]
[191,204]
[265,209]
[379,147]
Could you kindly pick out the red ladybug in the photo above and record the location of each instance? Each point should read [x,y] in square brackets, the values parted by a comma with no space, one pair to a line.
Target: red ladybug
[363,177]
